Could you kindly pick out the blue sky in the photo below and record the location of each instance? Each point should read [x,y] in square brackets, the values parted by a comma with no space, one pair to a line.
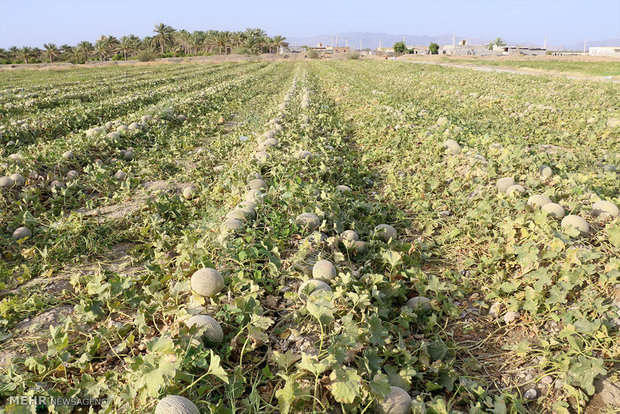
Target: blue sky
[34,22]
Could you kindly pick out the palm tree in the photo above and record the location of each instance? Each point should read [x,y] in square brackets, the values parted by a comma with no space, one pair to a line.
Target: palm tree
[102,47]
[65,50]
[196,41]
[84,49]
[499,42]
[279,41]
[24,53]
[125,46]
[252,44]
[13,50]
[183,38]
[76,55]
[163,35]
[51,51]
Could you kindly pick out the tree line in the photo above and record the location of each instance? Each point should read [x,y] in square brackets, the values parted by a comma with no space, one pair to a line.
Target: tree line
[165,42]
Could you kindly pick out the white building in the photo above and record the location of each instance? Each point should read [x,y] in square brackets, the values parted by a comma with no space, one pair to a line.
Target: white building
[605,51]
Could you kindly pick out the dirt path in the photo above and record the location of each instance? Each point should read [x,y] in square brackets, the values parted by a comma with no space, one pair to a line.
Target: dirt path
[504,69]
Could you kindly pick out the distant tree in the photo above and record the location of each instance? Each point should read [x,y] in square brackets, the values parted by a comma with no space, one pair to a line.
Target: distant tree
[128,45]
[51,51]
[433,48]
[400,48]
[84,49]
[499,42]
[163,35]
[25,53]
[278,42]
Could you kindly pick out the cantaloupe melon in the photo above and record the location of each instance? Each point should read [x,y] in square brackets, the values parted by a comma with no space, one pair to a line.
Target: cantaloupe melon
[257,184]
[545,171]
[349,235]
[420,302]
[213,332]
[67,155]
[308,221]
[120,175]
[58,185]
[605,209]
[504,183]
[261,156]
[175,404]
[207,282]
[18,180]
[21,233]
[516,189]
[247,204]
[452,147]
[232,226]
[237,215]
[554,210]
[324,270]
[113,135]
[6,183]
[538,200]
[343,188]
[386,232]
[312,286]
[303,155]
[255,196]
[72,175]
[189,192]
[574,221]
[134,126]
[397,402]
[442,121]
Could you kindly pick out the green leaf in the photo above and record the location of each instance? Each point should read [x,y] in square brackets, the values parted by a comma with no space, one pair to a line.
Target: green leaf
[321,307]
[583,372]
[163,344]
[312,364]
[346,384]
[614,235]
[215,367]
[380,385]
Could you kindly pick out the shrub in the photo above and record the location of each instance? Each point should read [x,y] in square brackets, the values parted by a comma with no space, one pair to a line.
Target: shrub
[434,48]
[353,56]
[145,56]
[312,54]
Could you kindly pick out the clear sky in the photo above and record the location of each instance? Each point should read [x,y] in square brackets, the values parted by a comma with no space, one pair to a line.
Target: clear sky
[34,22]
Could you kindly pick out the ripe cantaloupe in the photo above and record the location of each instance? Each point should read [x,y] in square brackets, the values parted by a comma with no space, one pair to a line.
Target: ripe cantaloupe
[311,287]
[213,332]
[504,183]
[349,235]
[538,200]
[397,402]
[72,175]
[573,221]
[303,155]
[114,135]
[232,226]
[6,183]
[58,185]
[237,215]
[605,209]
[21,233]
[248,212]
[18,180]
[175,404]
[420,302]
[207,282]
[134,126]
[189,192]
[67,155]
[261,156]
[254,196]
[554,210]
[442,121]
[120,175]
[324,270]
[308,221]
[452,147]
[247,204]
[545,171]
[515,189]
[343,188]
[257,184]
[386,232]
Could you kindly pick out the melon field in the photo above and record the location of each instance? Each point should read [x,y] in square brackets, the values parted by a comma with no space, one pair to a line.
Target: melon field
[308,237]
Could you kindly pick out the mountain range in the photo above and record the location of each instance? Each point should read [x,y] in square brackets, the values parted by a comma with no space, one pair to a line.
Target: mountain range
[374,40]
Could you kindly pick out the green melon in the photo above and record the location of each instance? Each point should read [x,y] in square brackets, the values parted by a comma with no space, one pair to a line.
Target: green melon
[515,189]
[120,175]
[343,188]
[257,184]
[207,282]
[232,226]
[189,192]
[6,183]
[72,175]
[67,155]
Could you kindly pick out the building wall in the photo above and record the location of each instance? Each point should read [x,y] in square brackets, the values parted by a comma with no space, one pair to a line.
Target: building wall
[604,51]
